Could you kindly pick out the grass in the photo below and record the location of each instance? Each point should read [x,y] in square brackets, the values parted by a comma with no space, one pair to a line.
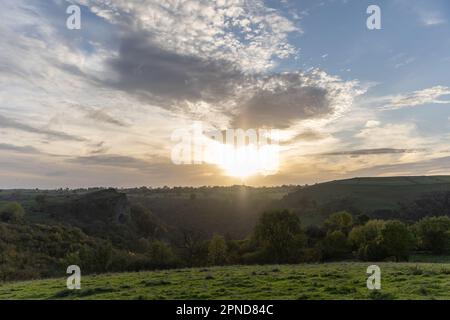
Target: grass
[305,281]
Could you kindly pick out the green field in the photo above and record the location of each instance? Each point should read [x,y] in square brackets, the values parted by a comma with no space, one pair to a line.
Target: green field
[305,281]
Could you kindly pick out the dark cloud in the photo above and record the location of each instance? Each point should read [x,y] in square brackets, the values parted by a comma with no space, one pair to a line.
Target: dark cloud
[308,135]
[280,106]
[259,100]
[55,173]
[110,160]
[19,149]
[102,116]
[413,168]
[153,72]
[13,124]
[370,152]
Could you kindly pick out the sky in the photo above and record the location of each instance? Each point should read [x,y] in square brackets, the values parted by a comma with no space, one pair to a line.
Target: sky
[99,105]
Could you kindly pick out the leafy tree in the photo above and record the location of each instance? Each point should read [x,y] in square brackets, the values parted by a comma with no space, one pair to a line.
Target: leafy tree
[434,234]
[41,202]
[193,248]
[398,240]
[314,235]
[339,221]
[362,219]
[366,233]
[143,220]
[280,235]
[335,245]
[161,254]
[367,240]
[217,250]
[12,212]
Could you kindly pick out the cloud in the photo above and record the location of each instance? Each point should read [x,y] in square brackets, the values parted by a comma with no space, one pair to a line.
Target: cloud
[430,18]
[435,166]
[110,160]
[306,135]
[377,151]
[372,123]
[416,98]
[169,77]
[282,100]
[16,125]
[19,149]
[102,115]
[186,83]
[245,32]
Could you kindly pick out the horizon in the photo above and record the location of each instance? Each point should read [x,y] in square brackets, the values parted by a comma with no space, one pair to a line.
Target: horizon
[150,187]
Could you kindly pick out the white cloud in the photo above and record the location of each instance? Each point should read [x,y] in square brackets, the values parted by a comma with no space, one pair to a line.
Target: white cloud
[244,32]
[372,123]
[416,98]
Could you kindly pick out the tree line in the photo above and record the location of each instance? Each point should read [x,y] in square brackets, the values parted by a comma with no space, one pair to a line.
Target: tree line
[30,250]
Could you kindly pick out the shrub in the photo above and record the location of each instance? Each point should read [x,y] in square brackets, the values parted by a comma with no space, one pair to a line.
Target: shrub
[339,221]
[434,234]
[12,212]
[335,246]
[217,250]
[397,239]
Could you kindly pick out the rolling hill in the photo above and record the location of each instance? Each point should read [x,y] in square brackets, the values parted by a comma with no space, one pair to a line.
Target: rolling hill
[373,196]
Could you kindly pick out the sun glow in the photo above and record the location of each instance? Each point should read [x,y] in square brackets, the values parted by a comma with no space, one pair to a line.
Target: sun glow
[239,153]
[248,161]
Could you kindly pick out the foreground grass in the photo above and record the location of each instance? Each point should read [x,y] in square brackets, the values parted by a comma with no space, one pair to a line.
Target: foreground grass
[306,281]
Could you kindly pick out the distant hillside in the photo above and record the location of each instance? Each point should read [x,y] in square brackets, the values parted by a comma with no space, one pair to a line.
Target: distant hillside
[231,211]
[372,196]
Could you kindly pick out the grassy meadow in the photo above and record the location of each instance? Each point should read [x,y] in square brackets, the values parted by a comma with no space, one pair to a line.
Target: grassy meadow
[346,280]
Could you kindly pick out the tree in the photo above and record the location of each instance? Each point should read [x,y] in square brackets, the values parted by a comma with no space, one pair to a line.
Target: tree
[280,235]
[367,240]
[161,254]
[194,249]
[362,219]
[378,239]
[397,239]
[12,212]
[217,250]
[41,201]
[144,221]
[339,221]
[434,234]
[335,245]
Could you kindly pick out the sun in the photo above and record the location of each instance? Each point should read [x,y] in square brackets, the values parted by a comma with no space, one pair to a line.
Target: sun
[247,161]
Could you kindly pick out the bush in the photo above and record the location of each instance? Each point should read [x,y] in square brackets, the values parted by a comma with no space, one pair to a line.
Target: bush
[217,250]
[161,255]
[397,240]
[335,246]
[339,221]
[367,240]
[378,240]
[11,212]
[434,234]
